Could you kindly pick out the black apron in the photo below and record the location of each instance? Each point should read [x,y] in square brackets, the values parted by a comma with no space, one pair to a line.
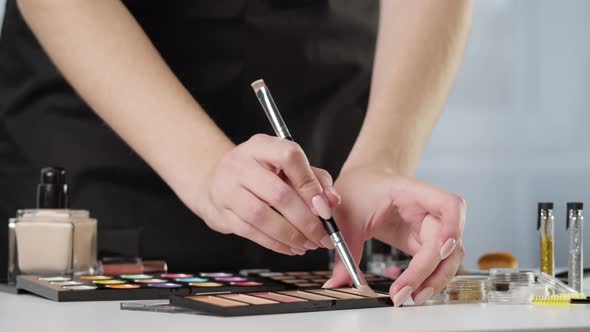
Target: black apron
[315,55]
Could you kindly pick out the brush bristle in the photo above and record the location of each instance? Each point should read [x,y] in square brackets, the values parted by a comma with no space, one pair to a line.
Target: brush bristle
[257,85]
[557,299]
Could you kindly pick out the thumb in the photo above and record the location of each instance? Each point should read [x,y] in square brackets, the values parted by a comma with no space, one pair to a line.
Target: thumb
[340,276]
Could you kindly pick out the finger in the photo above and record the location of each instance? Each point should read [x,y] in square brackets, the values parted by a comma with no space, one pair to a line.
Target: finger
[448,207]
[453,221]
[328,186]
[421,266]
[258,214]
[445,271]
[268,187]
[290,158]
[242,228]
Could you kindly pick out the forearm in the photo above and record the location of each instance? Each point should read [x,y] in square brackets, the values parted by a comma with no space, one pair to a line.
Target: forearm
[419,48]
[105,55]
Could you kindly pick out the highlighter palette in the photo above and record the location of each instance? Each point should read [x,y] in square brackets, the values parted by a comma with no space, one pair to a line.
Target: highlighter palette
[278,302]
[141,286]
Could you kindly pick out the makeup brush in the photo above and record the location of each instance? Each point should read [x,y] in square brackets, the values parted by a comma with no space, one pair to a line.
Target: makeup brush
[281,130]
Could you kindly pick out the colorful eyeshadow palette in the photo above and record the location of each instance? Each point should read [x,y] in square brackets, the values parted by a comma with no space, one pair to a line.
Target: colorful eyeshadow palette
[142,286]
[279,302]
[161,286]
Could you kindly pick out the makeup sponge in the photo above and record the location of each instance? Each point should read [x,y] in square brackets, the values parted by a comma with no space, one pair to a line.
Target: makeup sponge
[497,259]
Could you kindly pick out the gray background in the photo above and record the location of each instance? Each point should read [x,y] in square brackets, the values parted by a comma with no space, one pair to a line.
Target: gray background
[514,129]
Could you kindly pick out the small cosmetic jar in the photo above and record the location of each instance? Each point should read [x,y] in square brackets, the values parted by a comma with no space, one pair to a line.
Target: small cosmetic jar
[467,289]
[518,293]
[501,280]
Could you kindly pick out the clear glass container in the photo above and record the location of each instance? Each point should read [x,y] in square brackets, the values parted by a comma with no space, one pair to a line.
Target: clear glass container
[467,289]
[545,224]
[575,257]
[518,293]
[501,280]
[52,241]
[555,285]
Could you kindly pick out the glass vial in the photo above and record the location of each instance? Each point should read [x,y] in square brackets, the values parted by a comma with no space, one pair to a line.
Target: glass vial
[575,261]
[545,224]
[51,239]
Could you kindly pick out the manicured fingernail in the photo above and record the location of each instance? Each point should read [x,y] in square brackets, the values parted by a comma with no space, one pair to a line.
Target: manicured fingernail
[333,192]
[297,251]
[402,296]
[310,245]
[447,248]
[423,296]
[327,284]
[321,207]
[327,242]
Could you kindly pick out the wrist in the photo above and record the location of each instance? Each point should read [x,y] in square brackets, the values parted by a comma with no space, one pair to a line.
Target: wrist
[190,175]
[376,161]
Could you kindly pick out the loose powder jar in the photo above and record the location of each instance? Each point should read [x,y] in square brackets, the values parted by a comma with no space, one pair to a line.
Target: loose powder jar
[467,289]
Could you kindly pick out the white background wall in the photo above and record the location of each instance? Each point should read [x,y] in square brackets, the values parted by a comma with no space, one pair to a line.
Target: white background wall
[515,128]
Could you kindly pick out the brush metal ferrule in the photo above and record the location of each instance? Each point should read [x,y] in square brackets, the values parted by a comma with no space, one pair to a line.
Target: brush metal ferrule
[272,112]
[347,259]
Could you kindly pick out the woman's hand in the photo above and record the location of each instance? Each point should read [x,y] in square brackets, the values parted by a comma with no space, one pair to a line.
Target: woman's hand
[266,191]
[419,219]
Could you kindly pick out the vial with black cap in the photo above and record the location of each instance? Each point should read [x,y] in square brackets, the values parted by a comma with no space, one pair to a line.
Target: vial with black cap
[545,225]
[51,239]
[575,261]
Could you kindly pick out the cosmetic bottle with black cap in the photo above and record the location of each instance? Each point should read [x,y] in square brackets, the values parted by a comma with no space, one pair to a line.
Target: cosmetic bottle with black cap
[51,239]
[545,225]
[574,224]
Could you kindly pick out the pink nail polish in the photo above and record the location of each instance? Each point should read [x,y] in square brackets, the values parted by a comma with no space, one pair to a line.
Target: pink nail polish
[321,207]
[447,248]
[423,296]
[327,283]
[402,296]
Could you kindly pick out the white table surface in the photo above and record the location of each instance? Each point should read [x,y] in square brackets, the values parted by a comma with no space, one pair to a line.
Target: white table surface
[31,313]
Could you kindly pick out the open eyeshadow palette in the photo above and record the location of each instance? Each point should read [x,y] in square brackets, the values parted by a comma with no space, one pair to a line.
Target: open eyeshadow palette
[164,285]
[278,302]
[141,286]
[315,279]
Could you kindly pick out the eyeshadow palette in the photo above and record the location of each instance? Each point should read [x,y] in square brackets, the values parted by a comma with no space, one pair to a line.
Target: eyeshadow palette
[316,279]
[163,285]
[278,302]
[141,286]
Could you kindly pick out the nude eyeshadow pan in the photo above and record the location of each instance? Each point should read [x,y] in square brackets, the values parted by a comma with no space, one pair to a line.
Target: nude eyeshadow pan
[291,301]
